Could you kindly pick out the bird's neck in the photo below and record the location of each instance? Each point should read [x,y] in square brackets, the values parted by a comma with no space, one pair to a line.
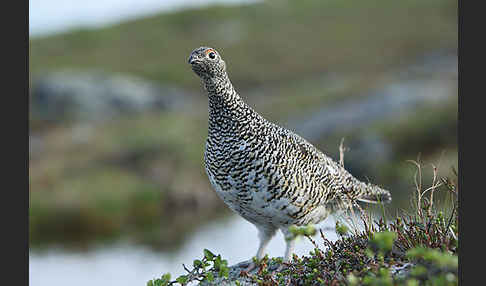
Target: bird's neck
[226,108]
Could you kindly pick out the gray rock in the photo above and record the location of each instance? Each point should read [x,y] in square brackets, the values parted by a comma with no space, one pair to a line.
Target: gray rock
[96,95]
[234,275]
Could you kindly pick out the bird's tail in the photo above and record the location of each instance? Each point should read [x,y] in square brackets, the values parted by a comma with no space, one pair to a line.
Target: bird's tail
[374,194]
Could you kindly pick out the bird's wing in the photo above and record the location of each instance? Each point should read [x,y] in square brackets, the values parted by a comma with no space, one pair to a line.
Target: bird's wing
[343,185]
[336,181]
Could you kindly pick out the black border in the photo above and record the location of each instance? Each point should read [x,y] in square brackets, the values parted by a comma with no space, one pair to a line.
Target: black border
[15,141]
[471,87]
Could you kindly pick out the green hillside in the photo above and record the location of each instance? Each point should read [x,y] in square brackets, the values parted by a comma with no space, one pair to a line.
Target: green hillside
[265,42]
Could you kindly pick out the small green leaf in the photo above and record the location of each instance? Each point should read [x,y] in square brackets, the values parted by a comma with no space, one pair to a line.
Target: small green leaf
[210,276]
[208,254]
[166,277]
[341,229]
[182,279]
[197,263]
[224,271]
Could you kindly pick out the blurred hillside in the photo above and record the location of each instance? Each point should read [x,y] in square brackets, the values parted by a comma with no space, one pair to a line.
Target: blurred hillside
[381,74]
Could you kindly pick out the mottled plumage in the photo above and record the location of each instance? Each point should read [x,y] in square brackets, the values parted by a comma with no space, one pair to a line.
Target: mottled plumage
[269,175]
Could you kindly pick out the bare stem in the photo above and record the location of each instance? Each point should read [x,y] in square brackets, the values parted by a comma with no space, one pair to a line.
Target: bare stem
[342,149]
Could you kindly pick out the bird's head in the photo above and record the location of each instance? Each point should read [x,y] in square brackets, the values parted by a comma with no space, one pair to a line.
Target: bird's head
[207,63]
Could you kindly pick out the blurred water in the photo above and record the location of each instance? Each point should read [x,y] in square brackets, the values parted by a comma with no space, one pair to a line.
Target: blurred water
[51,16]
[125,264]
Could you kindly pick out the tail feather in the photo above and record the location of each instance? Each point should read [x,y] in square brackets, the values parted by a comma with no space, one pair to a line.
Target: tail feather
[375,194]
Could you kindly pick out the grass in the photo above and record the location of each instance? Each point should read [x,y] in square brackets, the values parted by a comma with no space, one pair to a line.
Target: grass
[423,242]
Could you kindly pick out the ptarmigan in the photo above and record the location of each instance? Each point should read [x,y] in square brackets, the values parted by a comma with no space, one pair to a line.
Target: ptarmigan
[269,175]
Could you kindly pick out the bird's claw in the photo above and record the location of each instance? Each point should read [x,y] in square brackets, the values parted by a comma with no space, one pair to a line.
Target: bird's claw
[250,265]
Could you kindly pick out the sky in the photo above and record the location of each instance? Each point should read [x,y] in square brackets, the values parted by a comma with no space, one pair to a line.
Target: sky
[53,16]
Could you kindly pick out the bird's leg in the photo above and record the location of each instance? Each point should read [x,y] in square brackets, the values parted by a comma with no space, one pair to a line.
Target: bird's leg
[265,234]
[290,241]
[289,250]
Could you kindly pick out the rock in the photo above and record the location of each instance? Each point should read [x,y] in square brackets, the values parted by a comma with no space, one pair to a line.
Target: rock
[234,275]
[402,270]
[88,95]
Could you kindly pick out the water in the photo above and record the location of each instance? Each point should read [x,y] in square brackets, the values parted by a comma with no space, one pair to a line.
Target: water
[53,16]
[125,264]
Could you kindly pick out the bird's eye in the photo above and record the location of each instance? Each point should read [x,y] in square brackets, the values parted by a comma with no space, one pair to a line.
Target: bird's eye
[212,55]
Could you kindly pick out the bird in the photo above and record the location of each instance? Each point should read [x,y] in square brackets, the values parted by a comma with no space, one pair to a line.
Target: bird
[269,175]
